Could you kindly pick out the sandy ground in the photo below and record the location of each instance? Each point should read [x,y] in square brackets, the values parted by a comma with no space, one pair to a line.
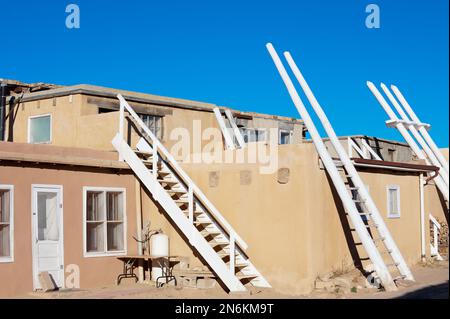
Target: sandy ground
[431,282]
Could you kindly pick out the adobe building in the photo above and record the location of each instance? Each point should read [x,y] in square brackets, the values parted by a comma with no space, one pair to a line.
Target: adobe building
[78,191]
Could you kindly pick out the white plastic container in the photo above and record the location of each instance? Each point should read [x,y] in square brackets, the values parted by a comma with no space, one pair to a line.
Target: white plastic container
[159,248]
[159,245]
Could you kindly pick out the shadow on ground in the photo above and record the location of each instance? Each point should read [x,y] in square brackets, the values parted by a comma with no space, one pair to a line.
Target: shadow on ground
[431,292]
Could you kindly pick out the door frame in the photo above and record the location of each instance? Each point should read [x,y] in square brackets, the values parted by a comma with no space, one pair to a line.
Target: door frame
[59,190]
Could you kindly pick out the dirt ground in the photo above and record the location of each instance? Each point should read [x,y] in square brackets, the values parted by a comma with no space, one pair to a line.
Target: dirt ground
[431,283]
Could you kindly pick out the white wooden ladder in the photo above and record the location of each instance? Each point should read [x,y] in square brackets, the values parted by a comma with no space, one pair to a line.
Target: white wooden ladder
[187,206]
[358,204]
[231,134]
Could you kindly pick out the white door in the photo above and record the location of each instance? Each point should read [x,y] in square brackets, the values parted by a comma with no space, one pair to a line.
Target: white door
[47,234]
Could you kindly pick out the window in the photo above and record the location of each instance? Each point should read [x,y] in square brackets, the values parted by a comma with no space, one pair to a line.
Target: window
[104,221]
[285,137]
[154,123]
[393,201]
[253,135]
[391,155]
[6,223]
[40,129]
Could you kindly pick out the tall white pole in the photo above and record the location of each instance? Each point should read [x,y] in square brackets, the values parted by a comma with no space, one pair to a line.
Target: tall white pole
[416,134]
[369,203]
[422,129]
[404,132]
[338,183]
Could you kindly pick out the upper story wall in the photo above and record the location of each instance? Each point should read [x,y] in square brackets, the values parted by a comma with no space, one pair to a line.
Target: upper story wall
[84,120]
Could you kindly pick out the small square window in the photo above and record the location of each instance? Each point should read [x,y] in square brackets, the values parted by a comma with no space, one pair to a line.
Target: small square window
[154,123]
[393,201]
[285,137]
[253,135]
[39,130]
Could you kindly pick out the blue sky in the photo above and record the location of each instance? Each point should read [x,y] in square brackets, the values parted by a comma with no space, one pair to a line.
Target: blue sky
[214,51]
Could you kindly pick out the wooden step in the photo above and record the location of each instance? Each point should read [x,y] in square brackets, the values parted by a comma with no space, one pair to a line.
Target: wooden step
[168,181]
[241,277]
[171,191]
[137,152]
[202,222]
[215,243]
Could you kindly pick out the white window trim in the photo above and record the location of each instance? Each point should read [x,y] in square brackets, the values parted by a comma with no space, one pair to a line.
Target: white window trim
[10,258]
[389,214]
[123,252]
[51,125]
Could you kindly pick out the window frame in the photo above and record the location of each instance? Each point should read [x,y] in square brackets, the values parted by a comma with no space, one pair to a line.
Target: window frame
[247,131]
[389,213]
[290,135]
[105,252]
[156,119]
[29,128]
[10,258]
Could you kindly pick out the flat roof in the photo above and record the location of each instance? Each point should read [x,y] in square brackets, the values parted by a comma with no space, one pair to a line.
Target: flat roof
[145,98]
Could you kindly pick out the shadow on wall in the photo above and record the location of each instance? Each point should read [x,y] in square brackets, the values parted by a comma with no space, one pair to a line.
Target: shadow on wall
[443,204]
[431,292]
[357,259]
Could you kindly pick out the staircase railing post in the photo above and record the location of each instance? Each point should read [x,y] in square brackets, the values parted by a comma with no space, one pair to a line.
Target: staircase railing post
[191,204]
[232,252]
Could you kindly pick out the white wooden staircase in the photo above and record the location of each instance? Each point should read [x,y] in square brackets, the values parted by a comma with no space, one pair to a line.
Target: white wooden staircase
[187,206]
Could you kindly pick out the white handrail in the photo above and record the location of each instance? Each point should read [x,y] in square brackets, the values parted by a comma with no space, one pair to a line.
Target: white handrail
[174,164]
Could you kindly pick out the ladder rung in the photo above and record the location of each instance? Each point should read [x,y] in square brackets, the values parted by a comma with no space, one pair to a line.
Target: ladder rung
[353,188]
[378,239]
[392,265]
[365,214]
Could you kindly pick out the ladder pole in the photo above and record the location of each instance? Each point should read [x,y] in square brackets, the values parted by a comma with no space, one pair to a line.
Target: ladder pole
[236,131]
[351,170]
[404,132]
[347,201]
[121,123]
[416,134]
[422,129]
[229,143]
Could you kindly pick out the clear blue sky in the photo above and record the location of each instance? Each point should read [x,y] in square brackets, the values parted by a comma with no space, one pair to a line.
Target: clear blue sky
[214,51]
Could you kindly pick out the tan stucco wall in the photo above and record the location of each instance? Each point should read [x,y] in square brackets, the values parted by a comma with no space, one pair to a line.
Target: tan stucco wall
[76,123]
[293,230]
[16,277]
